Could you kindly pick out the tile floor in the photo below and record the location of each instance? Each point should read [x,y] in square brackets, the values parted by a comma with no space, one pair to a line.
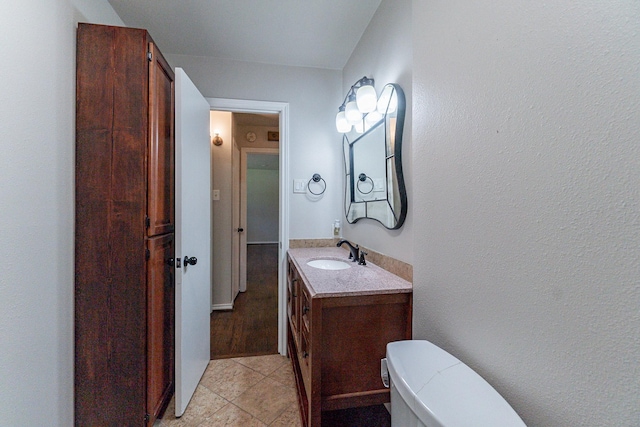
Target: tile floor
[246,391]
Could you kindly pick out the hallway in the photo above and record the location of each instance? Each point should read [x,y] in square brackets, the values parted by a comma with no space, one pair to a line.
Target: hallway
[251,328]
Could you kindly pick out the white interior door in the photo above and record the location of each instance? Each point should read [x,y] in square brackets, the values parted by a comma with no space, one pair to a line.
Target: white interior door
[193,238]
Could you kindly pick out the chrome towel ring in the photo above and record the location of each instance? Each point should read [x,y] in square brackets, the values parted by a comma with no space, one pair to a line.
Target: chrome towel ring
[362,178]
[316,178]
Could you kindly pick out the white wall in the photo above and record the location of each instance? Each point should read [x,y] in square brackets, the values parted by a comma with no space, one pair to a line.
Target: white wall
[262,206]
[314,146]
[222,210]
[37,134]
[384,53]
[526,149]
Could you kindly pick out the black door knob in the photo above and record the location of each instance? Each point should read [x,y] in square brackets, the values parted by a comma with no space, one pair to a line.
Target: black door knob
[193,260]
[240,230]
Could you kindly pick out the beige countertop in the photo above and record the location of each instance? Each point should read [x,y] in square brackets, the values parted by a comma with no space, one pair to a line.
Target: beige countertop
[357,280]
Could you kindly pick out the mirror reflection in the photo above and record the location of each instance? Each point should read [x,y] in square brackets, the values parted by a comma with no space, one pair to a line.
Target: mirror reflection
[374,184]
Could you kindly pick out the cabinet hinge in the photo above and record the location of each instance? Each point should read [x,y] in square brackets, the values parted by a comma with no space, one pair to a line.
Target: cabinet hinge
[147,222]
[147,254]
[150,56]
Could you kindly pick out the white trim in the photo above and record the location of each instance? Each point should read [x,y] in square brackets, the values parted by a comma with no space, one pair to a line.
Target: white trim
[282,108]
[221,307]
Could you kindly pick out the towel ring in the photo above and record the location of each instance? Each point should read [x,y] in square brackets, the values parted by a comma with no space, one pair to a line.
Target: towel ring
[316,178]
[362,178]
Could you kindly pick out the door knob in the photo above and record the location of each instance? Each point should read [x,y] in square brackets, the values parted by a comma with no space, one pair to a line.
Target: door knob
[193,260]
[240,230]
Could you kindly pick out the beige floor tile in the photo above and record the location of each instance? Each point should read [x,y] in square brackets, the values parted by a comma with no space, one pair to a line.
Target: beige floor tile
[232,416]
[218,365]
[231,381]
[203,404]
[267,400]
[289,418]
[263,364]
[284,375]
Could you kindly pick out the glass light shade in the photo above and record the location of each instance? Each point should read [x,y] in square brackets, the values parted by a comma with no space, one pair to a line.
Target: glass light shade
[372,118]
[388,101]
[352,113]
[359,126]
[366,98]
[342,124]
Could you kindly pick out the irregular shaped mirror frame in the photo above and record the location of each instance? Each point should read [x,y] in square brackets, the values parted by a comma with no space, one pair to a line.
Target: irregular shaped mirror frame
[386,211]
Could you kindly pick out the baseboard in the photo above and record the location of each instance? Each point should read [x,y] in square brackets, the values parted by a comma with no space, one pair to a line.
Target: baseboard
[262,243]
[221,307]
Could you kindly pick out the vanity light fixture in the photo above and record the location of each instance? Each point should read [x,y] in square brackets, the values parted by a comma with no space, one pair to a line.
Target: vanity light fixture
[216,139]
[342,124]
[351,111]
[366,97]
[359,106]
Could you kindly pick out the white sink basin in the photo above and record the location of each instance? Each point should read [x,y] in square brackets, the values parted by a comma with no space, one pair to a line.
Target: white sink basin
[328,264]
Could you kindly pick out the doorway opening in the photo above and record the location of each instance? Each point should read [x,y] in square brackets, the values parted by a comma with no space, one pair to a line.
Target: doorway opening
[250,320]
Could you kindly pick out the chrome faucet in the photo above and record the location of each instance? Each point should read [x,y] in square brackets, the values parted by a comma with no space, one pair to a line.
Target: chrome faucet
[354,250]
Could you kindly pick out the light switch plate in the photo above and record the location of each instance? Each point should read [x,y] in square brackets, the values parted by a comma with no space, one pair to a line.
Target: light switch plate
[378,184]
[299,186]
[215,194]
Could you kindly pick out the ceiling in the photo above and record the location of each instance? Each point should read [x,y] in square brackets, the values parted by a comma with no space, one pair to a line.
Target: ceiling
[307,33]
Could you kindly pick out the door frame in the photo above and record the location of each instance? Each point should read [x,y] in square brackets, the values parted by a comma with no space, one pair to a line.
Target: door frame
[282,109]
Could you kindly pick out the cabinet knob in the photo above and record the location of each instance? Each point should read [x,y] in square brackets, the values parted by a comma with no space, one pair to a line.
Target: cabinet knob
[193,260]
[305,354]
[305,309]
[171,261]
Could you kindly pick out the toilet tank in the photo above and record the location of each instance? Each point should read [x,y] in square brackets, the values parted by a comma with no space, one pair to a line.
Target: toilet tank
[431,388]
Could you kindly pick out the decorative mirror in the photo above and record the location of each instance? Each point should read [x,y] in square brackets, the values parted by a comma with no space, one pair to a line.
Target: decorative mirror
[374,184]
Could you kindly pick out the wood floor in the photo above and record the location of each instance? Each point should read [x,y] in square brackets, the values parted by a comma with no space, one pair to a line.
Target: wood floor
[251,328]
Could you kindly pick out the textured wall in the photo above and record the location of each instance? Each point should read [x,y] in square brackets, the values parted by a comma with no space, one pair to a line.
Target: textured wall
[37,45]
[384,53]
[527,150]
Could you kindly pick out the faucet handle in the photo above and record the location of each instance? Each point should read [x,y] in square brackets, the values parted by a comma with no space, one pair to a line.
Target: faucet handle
[362,261]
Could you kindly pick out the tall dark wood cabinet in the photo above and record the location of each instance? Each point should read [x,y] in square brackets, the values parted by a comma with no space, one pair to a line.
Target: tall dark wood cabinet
[124,284]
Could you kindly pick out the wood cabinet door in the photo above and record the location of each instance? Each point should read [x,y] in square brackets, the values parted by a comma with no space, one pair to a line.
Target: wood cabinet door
[161,168]
[160,322]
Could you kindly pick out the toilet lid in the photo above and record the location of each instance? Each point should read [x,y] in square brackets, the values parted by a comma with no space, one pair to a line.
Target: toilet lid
[443,391]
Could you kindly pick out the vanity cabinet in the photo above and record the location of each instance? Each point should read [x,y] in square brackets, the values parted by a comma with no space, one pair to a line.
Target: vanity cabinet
[336,343]
[124,229]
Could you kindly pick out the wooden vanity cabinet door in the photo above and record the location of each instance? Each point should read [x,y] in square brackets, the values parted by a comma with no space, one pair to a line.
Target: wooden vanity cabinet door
[161,169]
[293,305]
[160,317]
[305,350]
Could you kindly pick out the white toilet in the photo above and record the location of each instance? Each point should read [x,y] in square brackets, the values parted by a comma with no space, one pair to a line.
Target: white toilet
[431,388]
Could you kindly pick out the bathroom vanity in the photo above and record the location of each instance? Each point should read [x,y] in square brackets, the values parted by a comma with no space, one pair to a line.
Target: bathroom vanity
[340,321]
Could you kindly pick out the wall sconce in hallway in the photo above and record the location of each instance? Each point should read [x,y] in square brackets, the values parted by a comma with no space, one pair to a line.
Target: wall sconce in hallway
[216,139]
